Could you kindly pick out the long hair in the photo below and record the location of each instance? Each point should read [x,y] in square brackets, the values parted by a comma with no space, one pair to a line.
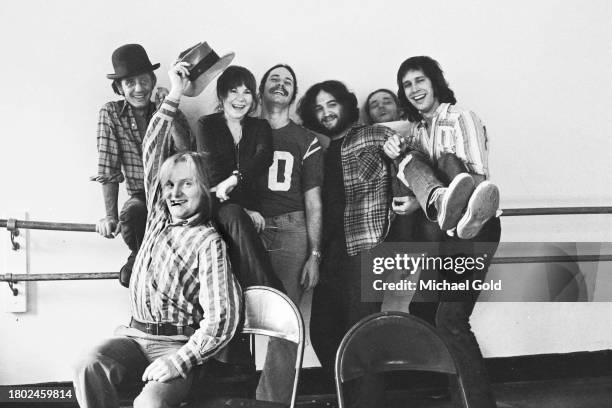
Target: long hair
[265,76]
[432,70]
[197,164]
[346,99]
[366,106]
[233,77]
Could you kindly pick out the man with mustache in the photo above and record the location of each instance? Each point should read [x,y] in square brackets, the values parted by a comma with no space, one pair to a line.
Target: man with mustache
[290,197]
[121,129]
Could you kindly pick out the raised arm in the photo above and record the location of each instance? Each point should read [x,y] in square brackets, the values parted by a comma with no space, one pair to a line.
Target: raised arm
[155,143]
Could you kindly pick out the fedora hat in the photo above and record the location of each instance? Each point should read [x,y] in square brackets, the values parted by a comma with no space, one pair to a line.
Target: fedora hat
[205,65]
[130,60]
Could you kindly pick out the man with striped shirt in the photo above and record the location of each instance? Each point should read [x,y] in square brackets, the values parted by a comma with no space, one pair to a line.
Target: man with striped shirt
[454,142]
[184,299]
[290,198]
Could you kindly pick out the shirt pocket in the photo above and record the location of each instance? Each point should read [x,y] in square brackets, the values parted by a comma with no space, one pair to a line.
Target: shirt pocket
[369,163]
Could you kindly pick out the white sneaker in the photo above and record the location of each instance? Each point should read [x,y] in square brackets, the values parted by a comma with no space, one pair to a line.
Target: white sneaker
[453,201]
[483,205]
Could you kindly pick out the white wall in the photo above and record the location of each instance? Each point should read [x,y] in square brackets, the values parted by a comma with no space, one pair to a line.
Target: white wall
[537,72]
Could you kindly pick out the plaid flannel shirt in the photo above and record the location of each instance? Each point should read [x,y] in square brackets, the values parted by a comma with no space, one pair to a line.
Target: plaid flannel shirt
[181,274]
[367,187]
[120,145]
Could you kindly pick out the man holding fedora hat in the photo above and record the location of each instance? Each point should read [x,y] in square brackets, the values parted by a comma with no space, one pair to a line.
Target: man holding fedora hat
[121,128]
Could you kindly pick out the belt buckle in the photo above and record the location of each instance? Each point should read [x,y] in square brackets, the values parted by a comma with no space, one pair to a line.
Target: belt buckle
[154,328]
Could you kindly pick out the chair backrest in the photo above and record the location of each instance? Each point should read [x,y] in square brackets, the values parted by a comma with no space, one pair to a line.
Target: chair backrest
[269,312]
[391,341]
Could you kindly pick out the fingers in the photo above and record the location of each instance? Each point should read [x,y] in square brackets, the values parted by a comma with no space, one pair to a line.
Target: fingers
[156,371]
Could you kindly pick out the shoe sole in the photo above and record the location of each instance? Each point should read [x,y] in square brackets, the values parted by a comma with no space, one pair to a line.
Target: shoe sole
[455,200]
[483,206]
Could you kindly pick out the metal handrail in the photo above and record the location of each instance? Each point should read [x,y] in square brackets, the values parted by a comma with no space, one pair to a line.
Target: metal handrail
[509,212]
[113,275]
[65,226]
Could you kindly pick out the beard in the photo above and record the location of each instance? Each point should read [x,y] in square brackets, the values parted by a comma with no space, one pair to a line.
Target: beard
[342,124]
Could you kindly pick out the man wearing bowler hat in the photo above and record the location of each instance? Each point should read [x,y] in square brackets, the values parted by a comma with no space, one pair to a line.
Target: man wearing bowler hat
[121,127]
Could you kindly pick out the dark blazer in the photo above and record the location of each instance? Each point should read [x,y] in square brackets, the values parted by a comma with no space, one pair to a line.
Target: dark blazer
[252,157]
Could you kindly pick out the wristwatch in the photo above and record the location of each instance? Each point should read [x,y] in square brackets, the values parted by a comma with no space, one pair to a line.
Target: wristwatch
[317,254]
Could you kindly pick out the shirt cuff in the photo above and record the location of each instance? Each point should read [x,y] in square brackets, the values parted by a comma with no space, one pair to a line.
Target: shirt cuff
[108,178]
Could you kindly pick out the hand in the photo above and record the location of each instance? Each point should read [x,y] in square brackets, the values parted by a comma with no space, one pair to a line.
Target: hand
[161,370]
[108,227]
[179,79]
[310,273]
[225,187]
[393,147]
[160,95]
[405,205]
[258,220]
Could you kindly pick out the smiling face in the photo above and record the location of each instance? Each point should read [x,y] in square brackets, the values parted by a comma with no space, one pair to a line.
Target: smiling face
[137,90]
[279,87]
[238,102]
[419,92]
[329,112]
[181,192]
[383,108]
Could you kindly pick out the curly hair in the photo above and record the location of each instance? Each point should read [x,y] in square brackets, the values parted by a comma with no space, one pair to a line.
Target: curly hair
[432,70]
[346,99]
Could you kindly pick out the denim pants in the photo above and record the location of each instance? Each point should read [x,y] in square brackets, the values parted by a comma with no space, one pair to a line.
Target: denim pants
[286,240]
[133,218]
[117,364]
[423,176]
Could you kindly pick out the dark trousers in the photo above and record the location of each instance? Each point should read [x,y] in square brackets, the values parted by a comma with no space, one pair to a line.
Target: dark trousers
[450,311]
[133,218]
[250,261]
[336,306]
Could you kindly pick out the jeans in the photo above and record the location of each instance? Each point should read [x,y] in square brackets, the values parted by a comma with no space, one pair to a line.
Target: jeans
[286,240]
[133,218]
[118,364]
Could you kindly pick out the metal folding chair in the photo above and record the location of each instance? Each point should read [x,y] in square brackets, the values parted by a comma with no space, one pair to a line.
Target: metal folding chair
[392,341]
[268,312]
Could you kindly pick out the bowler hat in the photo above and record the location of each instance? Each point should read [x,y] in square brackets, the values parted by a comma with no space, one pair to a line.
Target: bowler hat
[204,66]
[130,60]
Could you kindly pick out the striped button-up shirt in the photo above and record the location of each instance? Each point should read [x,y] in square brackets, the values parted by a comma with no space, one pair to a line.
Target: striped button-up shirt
[181,274]
[454,130]
[367,187]
[120,145]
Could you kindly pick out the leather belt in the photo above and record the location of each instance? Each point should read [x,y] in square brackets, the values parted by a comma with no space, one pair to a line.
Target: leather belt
[163,329]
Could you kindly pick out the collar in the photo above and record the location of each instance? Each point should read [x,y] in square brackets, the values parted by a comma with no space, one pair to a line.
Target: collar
[126,109]
[441,109]
[189,222]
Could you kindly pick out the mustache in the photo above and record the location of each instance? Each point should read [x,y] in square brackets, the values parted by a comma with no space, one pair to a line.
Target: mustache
[281,88]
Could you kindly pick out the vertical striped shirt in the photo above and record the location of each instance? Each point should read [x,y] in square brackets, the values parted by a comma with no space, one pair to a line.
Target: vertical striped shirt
[454,130]
[181,274]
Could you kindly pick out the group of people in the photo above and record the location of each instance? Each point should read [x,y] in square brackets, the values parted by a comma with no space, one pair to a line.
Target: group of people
[266,201]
